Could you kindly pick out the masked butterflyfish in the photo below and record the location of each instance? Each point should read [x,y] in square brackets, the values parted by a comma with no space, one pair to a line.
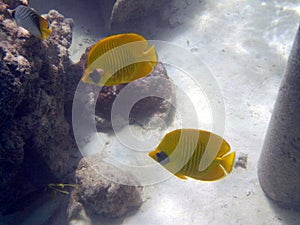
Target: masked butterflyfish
[196,154]
[29,19]
[119,59]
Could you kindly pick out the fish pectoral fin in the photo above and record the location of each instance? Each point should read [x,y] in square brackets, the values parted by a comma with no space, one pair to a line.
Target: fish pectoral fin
[44,26]
[181,176]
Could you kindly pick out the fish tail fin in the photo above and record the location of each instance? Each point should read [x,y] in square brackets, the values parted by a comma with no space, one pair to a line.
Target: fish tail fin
[11,12]
[227,162]
[45,29]
[151,56]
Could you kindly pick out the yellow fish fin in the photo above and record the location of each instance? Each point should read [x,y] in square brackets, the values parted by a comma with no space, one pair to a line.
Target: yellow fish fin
[227,161]
[151,56]
[219,168]
[212,173]
[142,69]
[44,27]
[181,176]
[114,41]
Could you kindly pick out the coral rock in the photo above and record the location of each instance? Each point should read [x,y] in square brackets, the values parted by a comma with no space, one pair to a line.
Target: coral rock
[128,12]
[34,139]
[98,195]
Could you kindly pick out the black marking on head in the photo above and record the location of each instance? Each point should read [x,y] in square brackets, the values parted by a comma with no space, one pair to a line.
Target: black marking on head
[95,76]
[162,158]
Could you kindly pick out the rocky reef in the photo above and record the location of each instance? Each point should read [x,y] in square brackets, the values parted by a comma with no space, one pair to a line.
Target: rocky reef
[34,140]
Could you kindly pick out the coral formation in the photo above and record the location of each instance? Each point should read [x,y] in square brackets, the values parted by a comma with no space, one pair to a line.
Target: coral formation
[98,195]
[35,141]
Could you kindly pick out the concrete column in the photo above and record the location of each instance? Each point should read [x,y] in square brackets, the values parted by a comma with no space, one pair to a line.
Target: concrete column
[279,163]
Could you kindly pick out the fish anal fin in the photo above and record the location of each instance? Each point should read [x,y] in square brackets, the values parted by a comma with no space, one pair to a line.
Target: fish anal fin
[181,176]
[212,173]
[143,69]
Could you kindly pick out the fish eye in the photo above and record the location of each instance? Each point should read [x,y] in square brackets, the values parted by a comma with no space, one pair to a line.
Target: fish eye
[162,158]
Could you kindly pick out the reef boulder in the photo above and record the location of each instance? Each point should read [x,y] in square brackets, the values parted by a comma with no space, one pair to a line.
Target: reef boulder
[98,195]
[34,139]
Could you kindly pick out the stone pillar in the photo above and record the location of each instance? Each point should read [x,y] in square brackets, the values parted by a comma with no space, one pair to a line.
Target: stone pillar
[279,163]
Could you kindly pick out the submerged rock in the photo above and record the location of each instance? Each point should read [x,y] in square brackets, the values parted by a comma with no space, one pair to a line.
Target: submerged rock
[127,13]
[145,109]
[34,139]
[96,195]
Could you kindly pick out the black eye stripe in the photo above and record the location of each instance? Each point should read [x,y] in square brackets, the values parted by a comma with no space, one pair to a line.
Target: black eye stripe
[162,158]
[95,76]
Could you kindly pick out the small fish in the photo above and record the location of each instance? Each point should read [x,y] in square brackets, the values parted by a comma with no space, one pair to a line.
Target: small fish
[29,19]
[197,154]
[120,59]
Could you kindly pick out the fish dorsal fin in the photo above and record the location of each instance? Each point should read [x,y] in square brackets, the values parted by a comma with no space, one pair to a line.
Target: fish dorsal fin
[114,41]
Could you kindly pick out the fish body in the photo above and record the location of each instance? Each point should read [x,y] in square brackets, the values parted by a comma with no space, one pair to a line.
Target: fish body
[119,59]
[30,20]
[197,154]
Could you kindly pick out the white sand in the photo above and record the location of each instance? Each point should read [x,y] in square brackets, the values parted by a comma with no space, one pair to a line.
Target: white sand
[245,44]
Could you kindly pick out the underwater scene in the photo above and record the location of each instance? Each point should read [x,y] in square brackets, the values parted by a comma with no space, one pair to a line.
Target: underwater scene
[130,112]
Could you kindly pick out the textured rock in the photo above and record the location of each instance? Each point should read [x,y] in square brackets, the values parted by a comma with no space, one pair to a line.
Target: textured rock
[127,13]
[139,15]
[279,163]
[98,195]
[144,109]
[34,139]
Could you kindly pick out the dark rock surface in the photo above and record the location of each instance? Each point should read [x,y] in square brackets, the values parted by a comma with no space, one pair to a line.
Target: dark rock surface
[144,109]
[279,163]
[142,15]
[128,13]
[34,139]
[98,195]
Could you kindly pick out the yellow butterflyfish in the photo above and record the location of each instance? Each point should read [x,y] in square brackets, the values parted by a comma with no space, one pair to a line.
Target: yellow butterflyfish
[119,59]
[196,154]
